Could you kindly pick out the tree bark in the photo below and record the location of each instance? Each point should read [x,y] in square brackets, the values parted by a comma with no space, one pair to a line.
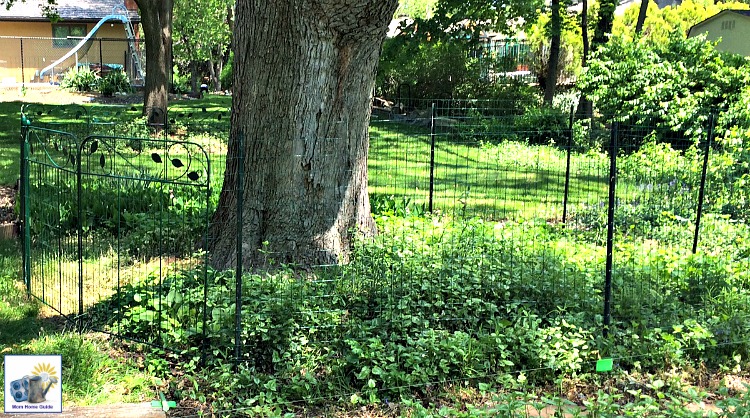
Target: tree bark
[585,32]
[641,17]
[194,78]
[214,72]
[585,107]
[219,70]
[554,54]
[156,19]
[304,71]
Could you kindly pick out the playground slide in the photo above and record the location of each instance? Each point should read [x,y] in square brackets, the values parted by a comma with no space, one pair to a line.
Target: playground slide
[121,18]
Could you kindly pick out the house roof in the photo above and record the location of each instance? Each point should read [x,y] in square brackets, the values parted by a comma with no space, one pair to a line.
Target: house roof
[742,12]
[68,10]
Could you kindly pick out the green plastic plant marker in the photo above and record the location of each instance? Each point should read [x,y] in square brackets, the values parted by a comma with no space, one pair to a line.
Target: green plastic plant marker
[604,365]
[157,404]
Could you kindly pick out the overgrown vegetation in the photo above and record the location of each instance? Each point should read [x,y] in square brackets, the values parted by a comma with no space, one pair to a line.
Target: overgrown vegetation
[504,311]
[670,88]
[83,79]
[434,301]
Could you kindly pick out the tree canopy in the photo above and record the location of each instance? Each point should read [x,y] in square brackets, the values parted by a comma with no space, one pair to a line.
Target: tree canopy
[660,24]
[202,33]
[465,19]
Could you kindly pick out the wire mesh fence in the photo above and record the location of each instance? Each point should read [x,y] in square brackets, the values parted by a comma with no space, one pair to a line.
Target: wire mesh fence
[503,235]
[507,59]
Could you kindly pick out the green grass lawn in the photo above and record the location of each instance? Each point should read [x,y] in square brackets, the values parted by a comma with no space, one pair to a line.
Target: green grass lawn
[502,181]
[10,126]
[494,181]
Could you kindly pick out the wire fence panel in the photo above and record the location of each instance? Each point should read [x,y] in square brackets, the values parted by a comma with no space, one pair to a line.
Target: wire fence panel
[143,212]
[491,219]
[116,221]
[50,246]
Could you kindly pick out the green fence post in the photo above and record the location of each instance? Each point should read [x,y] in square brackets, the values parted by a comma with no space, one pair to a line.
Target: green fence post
[238,272]
[24,191]
[702,190]
[566,192]
[79,194]
[610,228]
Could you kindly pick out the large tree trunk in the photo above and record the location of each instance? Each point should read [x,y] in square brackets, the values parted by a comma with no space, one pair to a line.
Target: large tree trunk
[304,71]
[641,17]
[156,18]
[554,54]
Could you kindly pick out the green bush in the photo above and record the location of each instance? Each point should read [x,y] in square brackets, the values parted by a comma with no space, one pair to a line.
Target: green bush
[180,81]
[533,126]
[80,79]
[431,70]
[114,82]
[227,73]
[670,89]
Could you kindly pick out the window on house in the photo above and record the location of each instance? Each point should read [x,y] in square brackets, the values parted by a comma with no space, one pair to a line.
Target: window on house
[63,31]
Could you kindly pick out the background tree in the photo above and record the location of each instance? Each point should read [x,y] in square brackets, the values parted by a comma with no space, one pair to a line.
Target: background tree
[554,52]
[466,19]
[541,35]
[203,37]
[421,9]
[604,21]
[156,20]
[660,24]
[300,118]
[585,107]
[641,16]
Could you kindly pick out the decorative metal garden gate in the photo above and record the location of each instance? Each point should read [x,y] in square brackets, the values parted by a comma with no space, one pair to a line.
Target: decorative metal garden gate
[108,220]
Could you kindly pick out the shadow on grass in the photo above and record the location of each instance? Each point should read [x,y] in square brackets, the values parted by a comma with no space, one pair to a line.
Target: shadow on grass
[88,362]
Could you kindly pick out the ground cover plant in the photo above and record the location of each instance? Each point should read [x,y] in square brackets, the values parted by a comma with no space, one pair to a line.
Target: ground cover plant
[491,311]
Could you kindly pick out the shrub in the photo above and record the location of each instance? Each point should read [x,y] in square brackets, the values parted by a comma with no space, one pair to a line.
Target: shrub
[180,81]
[431,70]
[671,88]
[534,126]
[80,79]
[227,73]
[114,82]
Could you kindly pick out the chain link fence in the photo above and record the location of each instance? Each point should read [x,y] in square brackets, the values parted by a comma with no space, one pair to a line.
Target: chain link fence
[30,60]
